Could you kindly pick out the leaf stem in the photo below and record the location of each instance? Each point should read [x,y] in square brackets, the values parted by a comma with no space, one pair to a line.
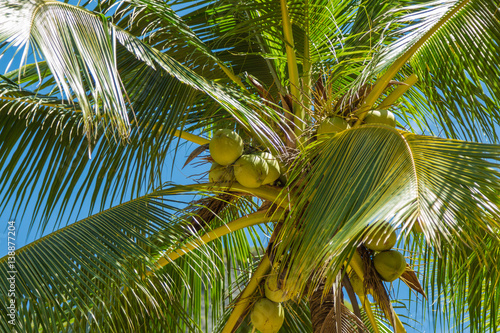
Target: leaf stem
[244,298]
[306,63]
[191,137]
[293,71]
[382,82]
[241,223]
[231,75]
[28,100]
[398,92]
[369,313]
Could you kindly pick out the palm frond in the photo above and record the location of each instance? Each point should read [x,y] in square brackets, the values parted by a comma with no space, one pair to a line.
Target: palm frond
[249,36]
[80,50]
[456,66]
[68,18]
[375,173]
[75,269]
[417,20]
[159,103]
[93,273]
[61,158]
[146,71]
[460,64]
[463,276]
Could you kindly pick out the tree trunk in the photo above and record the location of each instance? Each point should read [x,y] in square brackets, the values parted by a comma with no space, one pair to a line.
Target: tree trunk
[326,317]
[320,306]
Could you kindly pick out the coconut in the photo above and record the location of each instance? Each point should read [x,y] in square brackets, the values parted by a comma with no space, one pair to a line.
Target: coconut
[382,239]
[267,316]
[357,284]
[250,170]
[273,165]
[389,264]
[273,292]
[219,173]
[332,125]
[226,146]
[384,117]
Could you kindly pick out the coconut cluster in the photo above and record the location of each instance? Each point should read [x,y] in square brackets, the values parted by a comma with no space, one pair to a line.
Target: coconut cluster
[250,170]
[268,314]
[389,264]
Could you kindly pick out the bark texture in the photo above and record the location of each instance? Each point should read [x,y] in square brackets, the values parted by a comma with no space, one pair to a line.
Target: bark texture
[320,307]
[326,317]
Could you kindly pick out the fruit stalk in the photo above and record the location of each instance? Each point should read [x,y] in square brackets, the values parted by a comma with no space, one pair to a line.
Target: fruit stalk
[191,137]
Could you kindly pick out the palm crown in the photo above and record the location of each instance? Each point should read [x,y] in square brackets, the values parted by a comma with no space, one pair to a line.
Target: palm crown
[122,81]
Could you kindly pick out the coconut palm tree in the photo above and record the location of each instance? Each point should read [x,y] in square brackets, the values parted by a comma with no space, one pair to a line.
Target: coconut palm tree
[100,94]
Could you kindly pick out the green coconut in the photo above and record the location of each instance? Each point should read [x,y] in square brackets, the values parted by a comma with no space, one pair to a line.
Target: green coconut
[219,173]
[273,292]
[357,284]
[250,170]
[384,117]
[382,239]
[389,264]
[226,146]
[274,167]
[332,125]
[267,316]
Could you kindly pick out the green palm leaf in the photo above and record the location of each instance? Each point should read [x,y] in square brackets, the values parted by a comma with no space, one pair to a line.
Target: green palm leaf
[119,80]
[454,56]
[456,75]
[110,34]
[92,273]
[72,50]
[372,173]
[82,258]
[159,102]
